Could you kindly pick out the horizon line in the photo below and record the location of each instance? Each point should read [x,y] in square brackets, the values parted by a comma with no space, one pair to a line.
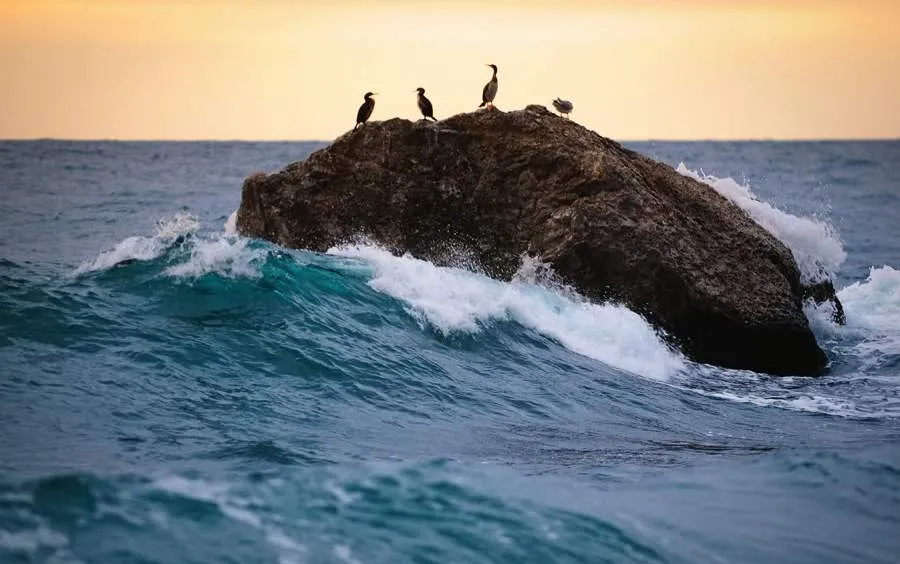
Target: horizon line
[328,141]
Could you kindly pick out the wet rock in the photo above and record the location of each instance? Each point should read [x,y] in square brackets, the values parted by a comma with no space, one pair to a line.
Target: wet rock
[612,223]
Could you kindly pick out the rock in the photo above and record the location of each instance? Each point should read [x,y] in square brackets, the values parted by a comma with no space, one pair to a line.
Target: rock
[821,292]
[612,223]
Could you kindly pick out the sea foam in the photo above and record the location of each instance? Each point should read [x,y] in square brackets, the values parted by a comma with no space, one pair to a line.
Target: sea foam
[231,224]
[815,244]
[456,300]
[142,248]
[873,315]
[222,253]
[226,256]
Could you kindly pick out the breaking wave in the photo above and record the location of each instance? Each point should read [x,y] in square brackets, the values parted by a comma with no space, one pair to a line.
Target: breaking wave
[815,244]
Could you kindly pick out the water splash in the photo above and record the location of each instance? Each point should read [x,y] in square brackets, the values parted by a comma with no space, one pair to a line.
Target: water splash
[142,248]
[455,300]
[816,245]
[223,253]
[231,224]
[226,256]
[872,332]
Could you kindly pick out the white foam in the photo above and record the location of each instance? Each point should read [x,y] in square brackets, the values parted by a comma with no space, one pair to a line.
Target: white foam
[807,403]
[176,226]
[226,256]
[455,300]
[873,307]
[231,224]
[815,244]
[874,302]
[144,248]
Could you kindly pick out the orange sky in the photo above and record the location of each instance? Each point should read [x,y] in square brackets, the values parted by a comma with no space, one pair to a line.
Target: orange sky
[282,69]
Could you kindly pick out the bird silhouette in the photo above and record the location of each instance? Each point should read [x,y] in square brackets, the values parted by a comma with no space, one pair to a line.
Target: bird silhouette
[490,90]
[424,104]
[365,110]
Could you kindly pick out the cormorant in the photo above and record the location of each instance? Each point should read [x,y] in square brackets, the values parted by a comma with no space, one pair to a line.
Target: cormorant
[490,90]
[365,111]
[424,104]
[563,106]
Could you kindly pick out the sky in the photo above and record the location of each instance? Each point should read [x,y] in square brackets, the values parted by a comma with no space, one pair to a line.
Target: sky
[296,69]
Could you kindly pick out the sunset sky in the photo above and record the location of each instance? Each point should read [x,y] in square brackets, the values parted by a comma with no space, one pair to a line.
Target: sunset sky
[282,69]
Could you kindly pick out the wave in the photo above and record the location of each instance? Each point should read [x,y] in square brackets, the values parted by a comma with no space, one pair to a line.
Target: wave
[456,300]
[815,244]
[233,507]
[771,394]
[141,248]
[834,395]
[225,254]
[437,510]
[450,300]
[872,331]
[864,353]
[329,515]
[231,224]
[874,304]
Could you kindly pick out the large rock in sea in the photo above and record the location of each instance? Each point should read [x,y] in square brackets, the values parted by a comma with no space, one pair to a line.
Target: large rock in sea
[612,223]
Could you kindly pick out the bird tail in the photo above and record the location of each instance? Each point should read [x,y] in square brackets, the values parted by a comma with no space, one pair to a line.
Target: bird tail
[481,104]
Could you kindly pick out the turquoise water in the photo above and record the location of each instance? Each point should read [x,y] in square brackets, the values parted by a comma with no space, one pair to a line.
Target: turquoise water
[173,392]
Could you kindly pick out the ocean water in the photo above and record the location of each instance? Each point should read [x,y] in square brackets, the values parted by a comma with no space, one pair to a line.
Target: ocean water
[172,392]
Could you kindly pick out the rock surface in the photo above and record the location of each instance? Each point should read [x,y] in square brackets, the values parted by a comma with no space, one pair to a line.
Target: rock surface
[612,223]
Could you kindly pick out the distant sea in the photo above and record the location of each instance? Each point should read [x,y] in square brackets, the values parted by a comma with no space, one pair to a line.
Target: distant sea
[172,392]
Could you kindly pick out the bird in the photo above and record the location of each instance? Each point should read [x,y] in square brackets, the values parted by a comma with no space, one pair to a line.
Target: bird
[490,90]
[563,106]
[365,110]
[424,104]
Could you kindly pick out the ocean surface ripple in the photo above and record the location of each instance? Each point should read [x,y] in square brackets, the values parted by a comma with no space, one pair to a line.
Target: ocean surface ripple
[174,392]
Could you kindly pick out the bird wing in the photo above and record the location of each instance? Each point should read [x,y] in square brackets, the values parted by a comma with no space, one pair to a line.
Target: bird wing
[425,106]
[490,90]
[365,111]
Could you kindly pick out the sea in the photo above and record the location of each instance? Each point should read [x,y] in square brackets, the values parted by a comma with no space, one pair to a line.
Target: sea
[173,392]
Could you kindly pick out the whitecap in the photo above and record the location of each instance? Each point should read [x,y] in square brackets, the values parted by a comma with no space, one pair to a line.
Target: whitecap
[456,300]
[231,224]
[815,244]
[225,256]
[143,248]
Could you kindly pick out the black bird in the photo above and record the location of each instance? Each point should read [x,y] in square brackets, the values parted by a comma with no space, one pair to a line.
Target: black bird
[365,111]
[490,90]
[424,104]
